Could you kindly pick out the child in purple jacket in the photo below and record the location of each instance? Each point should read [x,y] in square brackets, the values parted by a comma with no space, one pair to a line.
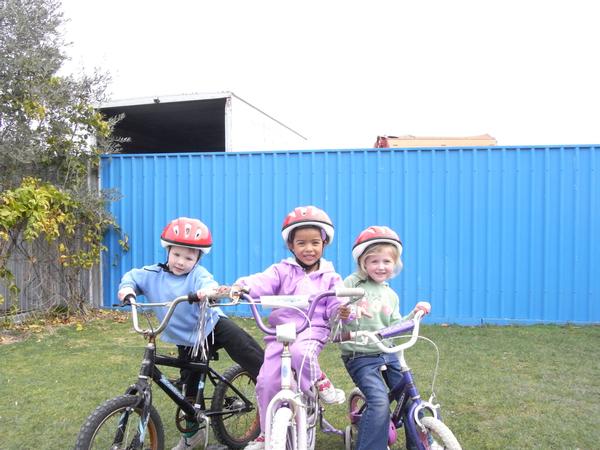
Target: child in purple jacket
[306,231]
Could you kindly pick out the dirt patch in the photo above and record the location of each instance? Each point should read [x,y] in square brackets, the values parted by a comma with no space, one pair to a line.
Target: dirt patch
[6,338]
[11,332]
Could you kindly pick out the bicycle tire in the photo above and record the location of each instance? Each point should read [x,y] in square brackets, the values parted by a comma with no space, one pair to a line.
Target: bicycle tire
[280,429]
[356,400]
[236,429]
[99,429]
[441,434]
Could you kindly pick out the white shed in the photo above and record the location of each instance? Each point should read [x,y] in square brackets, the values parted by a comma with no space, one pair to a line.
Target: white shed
[210,122]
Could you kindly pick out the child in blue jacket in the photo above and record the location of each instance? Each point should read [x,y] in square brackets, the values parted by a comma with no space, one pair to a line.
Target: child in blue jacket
[186,241]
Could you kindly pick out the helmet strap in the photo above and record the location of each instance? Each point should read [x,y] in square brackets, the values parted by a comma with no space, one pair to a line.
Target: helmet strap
[164,266]
[306,267]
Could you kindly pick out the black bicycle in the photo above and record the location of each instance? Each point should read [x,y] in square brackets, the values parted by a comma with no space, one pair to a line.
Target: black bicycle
[130,421]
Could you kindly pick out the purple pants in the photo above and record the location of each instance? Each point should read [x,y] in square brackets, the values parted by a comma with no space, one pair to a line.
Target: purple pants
[305,351]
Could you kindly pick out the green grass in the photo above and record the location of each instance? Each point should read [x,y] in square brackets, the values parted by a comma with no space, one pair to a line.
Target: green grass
[500,387]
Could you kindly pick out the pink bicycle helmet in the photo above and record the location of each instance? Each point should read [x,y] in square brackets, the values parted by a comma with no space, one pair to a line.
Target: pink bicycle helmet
[307,215]
[186,232]
[375,235]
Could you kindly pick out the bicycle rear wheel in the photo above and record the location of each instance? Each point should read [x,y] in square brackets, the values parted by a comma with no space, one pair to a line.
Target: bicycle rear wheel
[235,428]
[440,433]
[115,425]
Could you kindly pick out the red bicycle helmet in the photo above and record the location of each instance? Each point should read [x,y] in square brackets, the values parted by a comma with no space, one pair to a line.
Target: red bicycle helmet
[375,235]
[307,215]
[186,232]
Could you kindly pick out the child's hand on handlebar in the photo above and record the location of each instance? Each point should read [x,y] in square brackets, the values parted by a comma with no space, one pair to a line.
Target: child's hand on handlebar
[201,295]
[237,290]
[215,293]
[124,293]
[209,294]
[345,312]
[423,306]
[349,313]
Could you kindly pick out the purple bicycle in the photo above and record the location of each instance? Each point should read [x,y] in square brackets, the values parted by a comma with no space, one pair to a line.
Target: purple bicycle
[422,419]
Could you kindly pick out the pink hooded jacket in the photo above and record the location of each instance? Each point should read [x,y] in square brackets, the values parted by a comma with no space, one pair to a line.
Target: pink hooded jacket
[288,278]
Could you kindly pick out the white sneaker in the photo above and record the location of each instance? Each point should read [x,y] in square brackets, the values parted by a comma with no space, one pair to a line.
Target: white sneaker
[256,444]
[329,394]
[188,443]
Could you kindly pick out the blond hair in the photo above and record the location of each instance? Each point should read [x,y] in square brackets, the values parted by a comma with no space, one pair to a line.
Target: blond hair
[378,248]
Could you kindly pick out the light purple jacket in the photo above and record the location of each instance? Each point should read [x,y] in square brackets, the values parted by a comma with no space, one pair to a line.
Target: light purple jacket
[288,278]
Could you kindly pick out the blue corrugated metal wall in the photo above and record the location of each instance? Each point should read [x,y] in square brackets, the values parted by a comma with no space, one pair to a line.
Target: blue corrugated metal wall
[491,235]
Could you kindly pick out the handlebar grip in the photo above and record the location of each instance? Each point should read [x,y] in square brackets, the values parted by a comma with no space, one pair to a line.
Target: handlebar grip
[193,297]
[423,306]
[244,290]
[127,300]
[397,329]
[349,292]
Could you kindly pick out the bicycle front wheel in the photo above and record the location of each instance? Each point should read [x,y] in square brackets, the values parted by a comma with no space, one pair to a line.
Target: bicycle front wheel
[115,425]
[281,429]
[234,427]
[440,433]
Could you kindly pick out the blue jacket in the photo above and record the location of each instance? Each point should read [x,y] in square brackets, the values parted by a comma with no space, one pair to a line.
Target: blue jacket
[158,285]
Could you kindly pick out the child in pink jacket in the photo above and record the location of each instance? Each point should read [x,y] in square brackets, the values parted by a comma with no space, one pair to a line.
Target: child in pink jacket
[306,231]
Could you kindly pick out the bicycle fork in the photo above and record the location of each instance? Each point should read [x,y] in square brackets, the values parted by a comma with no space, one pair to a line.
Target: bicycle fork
[142,390]
[293,400]
[408,392]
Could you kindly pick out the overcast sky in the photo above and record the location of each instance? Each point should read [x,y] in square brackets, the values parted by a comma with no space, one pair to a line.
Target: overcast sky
[342,72]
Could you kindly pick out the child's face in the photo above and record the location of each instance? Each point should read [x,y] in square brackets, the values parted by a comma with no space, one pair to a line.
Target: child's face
[307,245]
[380,265]
[182,259]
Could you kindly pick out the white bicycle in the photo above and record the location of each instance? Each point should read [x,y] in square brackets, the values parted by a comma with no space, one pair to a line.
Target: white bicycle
[292,416]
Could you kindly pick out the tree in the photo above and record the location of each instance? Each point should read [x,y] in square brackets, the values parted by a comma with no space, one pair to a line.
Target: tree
[51,138]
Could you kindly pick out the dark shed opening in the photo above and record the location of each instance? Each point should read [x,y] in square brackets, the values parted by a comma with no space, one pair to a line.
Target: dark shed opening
[171,127]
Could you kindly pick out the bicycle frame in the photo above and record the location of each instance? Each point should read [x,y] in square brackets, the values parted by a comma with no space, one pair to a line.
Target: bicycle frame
[406,388]
[150,371]
[130,420]
[401,393]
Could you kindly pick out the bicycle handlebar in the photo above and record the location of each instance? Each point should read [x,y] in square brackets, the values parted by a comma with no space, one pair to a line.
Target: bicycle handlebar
[363,337]
[235,293]
[316,299]
[211,296]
